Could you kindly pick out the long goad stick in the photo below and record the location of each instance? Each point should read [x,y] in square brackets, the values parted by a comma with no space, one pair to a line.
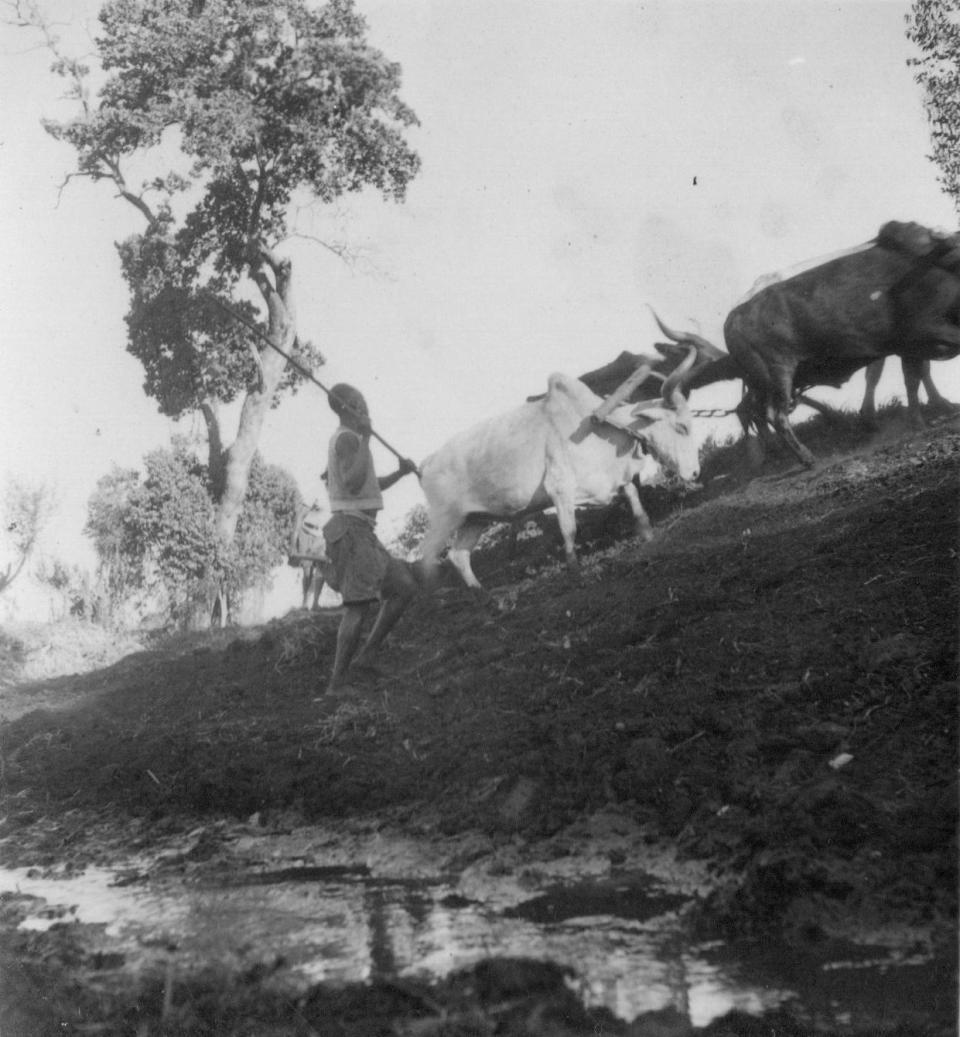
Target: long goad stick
[307,373]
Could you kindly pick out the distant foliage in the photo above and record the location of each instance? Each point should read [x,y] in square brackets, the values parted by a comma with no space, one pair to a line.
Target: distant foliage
[116,539]
[79,594]
[407,541]
[25,510]
[159,535]
[934,26]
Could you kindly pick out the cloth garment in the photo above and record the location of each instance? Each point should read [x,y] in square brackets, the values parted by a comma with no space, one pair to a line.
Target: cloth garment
[358,561]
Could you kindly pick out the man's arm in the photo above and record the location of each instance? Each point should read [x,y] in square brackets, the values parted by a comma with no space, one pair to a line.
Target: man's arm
[405,468]
[351,460]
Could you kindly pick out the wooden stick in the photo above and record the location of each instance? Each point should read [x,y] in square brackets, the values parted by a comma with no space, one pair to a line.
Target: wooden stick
[620,394]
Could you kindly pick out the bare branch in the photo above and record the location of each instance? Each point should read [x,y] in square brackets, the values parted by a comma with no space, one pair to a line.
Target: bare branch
[350,254]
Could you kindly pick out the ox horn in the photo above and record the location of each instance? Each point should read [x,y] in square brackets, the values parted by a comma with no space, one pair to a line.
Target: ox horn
[672,394]
[686,337]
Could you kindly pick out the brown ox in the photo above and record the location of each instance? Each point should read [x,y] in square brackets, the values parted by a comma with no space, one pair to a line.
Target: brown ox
[897,295]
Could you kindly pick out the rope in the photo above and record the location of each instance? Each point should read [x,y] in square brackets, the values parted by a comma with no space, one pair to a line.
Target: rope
[715,413]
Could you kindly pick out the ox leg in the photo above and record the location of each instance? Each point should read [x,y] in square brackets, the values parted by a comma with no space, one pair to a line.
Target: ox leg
[562,499]
[778,414]
[751,416]
[781,422]
[442,526]
[912,374]
[641,521]
[938,404]
[868,409]
[464,541]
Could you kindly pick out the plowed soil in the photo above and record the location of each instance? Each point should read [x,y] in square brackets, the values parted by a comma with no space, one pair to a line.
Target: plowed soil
[771,684]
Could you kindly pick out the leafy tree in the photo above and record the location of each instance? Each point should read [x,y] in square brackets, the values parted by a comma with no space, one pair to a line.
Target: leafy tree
[260,103]
[934,26]
[413,530]
[118,546]
[172,519]
[264,528]
[27,508]
[161,533]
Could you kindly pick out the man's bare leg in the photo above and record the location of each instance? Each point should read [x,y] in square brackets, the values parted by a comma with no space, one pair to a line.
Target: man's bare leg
[399,589]
[348,639]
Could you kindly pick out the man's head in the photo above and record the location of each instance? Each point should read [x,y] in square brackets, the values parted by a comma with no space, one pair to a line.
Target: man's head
[344,400]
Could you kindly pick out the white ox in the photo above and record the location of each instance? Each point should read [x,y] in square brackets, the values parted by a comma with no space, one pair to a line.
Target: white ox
[550,453]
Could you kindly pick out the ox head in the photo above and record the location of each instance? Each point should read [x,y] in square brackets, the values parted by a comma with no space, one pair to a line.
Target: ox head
[664,427]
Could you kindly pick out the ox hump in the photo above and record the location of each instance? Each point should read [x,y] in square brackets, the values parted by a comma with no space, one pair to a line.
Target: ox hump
[563,385]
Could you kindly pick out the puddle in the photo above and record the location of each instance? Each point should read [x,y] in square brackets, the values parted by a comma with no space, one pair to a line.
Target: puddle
[622,931]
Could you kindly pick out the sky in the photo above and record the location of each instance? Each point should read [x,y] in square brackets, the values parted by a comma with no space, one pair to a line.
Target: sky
[582,161]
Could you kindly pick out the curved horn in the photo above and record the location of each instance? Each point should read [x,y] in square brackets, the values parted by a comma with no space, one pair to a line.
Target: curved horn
[671,393]
[704,346]
[669,332]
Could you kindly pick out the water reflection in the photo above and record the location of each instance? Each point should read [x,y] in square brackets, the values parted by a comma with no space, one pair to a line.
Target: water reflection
[359,927]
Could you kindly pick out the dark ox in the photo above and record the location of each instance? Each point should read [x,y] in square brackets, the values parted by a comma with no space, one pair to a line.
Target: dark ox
[551,453]
[898,295]
[872,375]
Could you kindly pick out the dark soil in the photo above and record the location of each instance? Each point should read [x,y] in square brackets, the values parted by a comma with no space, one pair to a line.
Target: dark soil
[770,684]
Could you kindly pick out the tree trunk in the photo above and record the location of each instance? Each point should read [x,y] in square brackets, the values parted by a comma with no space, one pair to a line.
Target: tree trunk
[216,458]
[282,332]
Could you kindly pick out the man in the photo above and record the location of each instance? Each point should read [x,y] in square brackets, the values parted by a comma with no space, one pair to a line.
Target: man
[361,568]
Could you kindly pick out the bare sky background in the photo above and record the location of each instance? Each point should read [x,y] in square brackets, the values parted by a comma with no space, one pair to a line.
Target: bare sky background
[581,159]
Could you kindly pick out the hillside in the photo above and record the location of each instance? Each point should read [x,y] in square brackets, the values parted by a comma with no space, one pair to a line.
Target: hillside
[770,685]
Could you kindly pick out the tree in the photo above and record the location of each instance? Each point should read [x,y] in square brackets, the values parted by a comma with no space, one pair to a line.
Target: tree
[261,103]
[116,542]
[934,26]
[411,534]
[160,534]
[27,508]
[74,587]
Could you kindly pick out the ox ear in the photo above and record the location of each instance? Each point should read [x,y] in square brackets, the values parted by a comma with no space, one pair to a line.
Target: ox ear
[637,409]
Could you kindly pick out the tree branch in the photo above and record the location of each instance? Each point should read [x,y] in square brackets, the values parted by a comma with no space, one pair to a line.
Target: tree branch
[113,165]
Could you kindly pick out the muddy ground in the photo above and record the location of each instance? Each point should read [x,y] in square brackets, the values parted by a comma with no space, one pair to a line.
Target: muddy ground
[770,686]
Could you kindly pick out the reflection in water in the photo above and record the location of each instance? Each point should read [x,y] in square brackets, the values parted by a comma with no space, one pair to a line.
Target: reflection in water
[358,927]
